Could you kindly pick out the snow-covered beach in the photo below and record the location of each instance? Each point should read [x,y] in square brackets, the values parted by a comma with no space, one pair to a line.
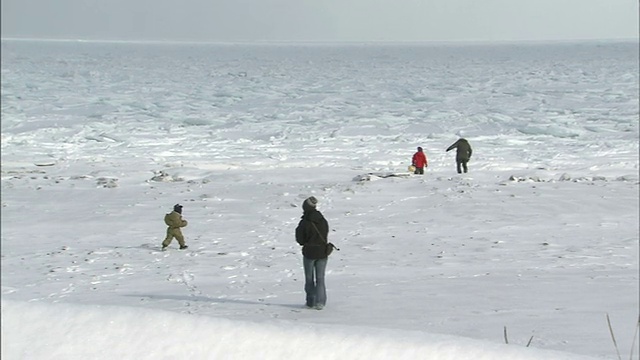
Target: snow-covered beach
[99,140]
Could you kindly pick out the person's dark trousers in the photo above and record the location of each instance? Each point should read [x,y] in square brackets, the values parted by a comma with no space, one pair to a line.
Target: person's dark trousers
[461,165]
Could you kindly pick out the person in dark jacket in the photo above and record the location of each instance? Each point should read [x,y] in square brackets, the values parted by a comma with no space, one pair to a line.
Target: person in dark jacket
[312,233]
[419,160]
[174,222]
[463,154]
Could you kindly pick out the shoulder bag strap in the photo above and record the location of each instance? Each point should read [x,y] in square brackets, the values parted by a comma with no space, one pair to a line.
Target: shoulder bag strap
[319,233]
[322,237]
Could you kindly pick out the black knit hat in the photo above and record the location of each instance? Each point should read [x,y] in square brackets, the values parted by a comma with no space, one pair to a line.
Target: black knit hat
[310,203]
[177,208]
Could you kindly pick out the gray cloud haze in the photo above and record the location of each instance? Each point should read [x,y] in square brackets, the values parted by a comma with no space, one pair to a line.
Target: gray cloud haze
[321,20]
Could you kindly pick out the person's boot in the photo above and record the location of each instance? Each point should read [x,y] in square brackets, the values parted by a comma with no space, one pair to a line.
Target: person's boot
[182,247]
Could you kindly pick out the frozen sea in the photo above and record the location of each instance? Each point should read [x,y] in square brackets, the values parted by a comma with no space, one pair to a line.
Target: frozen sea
[537,243]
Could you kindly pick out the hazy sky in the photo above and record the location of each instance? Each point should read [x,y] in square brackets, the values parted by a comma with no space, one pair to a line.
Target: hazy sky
[322,20]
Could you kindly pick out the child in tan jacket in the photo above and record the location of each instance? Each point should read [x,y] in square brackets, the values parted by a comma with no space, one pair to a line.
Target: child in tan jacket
[174,222]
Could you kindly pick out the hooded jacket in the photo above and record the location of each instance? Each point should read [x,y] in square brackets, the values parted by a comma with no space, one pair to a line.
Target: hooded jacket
[419,159]
[174,220]
[313,241]
[463,150]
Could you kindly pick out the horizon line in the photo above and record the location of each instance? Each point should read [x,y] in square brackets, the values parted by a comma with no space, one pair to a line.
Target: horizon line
[319,42]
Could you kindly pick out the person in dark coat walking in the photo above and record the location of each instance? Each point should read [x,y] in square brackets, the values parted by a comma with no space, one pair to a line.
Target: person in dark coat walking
[463,154]
[312,233]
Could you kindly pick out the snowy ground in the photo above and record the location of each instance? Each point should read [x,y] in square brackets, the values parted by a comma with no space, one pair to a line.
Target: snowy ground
[99,140]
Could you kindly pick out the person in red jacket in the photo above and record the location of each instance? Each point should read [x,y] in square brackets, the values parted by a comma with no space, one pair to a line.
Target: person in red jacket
[419,160]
